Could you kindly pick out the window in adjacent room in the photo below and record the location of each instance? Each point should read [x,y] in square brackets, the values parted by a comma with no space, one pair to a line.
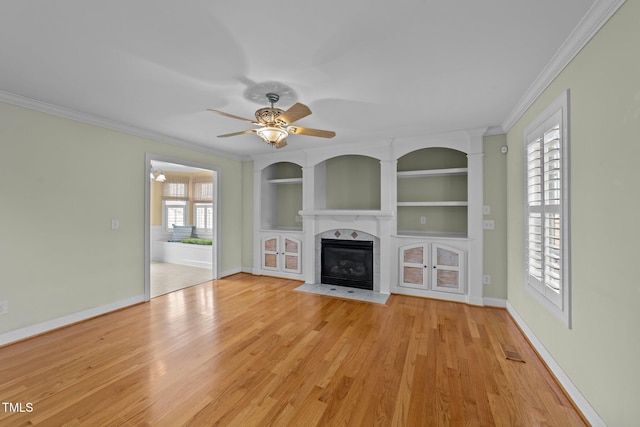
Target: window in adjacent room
[547,209]
[175,201]
[203,204]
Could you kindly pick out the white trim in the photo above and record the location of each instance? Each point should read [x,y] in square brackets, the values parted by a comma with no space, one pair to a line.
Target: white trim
[49,325]
[595,18]
[67,113]
[574,393]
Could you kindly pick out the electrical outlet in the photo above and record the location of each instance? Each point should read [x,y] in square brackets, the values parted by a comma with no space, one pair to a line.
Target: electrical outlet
[4,307]
[486,279]
[489,224]
[423,220]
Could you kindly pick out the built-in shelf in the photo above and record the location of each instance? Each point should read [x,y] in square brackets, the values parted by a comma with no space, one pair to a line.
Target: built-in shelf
[439,203]
[285,181]
[432,172]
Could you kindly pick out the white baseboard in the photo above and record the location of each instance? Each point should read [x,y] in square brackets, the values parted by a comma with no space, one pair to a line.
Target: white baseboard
[581,402]
[49,325]
[247,270]
[495,302]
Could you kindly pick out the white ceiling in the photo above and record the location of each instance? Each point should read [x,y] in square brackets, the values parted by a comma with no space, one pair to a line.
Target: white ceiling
[369,70]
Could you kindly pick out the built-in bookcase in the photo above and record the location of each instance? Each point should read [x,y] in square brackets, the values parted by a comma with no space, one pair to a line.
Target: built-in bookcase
[432,192]
[281,196]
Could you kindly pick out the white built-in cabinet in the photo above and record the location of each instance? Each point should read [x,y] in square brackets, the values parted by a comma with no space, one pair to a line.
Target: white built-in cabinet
[428,224]
[432,266]
[281,253]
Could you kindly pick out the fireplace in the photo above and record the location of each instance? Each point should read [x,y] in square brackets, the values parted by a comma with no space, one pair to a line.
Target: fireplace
[347,263]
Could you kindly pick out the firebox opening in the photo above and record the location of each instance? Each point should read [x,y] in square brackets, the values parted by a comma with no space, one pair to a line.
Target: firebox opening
[347,263]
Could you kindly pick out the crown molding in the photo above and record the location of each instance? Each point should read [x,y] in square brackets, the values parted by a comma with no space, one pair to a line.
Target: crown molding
[44,107]
[494,130]
[589,25]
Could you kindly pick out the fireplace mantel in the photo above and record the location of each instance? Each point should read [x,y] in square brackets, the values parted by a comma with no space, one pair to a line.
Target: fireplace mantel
[346,215]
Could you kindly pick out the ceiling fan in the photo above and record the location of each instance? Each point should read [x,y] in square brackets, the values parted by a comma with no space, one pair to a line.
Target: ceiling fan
[276,123]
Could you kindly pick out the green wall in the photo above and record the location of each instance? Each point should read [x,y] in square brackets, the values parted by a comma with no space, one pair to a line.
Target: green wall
[495,196]
[247,215]
[288,196]
[62,183]
[353,182]
[600,353]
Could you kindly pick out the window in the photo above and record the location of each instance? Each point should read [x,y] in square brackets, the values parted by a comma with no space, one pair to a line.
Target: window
[547,209]
[203,203]
[175,199]
[203,217]
[175,212]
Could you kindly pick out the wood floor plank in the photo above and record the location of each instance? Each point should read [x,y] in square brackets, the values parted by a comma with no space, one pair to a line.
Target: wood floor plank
[251,351]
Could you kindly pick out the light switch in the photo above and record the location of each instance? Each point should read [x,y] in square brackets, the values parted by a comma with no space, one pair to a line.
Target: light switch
[115,224]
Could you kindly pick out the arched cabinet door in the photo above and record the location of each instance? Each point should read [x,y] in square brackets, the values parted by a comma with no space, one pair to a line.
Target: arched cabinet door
[432,266]
[291,255]
[281,253]
[270,253]
[447,271]
[414,271]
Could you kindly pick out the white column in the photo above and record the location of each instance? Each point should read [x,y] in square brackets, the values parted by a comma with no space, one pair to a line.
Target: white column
[385,254]
[257,221]
[308,224]
[475,191]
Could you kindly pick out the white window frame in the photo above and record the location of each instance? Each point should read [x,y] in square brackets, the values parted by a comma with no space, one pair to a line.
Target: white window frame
[205,206]
[166,204]
[540,288]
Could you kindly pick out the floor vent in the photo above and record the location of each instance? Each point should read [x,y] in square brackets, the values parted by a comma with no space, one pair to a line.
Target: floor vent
[510,353]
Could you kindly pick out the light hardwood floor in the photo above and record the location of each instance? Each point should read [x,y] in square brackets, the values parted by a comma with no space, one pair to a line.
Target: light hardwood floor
[252,351]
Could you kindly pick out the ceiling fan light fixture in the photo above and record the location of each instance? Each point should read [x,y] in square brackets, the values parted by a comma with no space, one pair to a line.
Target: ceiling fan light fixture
[272,135]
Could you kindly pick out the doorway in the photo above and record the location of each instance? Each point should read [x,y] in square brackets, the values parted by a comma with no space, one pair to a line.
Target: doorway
[181,224]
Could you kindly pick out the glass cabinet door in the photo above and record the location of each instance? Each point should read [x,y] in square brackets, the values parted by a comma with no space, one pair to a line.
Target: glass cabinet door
[291,255]
[270,251]
[413,266]
[447,271]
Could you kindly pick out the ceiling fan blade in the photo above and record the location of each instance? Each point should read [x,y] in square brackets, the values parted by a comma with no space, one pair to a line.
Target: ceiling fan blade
[297,130]
[296,112]
[281,144]
[237,133]
[233,116]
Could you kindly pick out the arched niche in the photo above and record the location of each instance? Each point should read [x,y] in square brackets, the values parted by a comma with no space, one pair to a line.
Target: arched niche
[432,158]
[432,192]
[350,182]
[281,196]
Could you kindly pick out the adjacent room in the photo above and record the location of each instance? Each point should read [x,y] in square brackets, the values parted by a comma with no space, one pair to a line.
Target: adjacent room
[182,220]
[341,213]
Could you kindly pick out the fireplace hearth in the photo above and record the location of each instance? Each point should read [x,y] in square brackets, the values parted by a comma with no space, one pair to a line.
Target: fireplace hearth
[347,263]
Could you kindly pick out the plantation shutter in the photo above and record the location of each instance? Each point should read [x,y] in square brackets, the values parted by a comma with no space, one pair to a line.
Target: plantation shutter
[544,209]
